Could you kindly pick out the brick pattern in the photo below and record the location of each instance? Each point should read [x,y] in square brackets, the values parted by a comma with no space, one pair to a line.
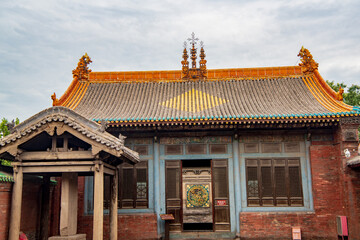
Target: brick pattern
[30,214]
[130,226]
[5,200]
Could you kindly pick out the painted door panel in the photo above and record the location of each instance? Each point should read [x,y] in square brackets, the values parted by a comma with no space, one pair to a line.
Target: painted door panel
[197,195]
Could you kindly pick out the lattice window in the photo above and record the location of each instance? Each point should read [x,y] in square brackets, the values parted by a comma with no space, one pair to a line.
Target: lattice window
[133,185]
[274,182]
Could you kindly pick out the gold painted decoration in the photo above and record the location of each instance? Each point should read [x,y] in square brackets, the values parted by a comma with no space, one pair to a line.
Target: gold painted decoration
[185,63]
[193,72]
[81,72]
[194,101]
[197,196]
[54,99]
[339,94]
[307,64]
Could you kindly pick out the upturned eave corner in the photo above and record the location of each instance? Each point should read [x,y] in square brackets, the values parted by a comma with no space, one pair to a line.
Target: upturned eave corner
[310,67]
[80,74]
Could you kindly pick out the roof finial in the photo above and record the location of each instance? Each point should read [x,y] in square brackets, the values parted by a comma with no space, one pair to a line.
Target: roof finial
[202,61]
[339,94]
[194,73]
[81,72]
[55,100]
[193,50]
[185,63]
[308,64]
[193,40]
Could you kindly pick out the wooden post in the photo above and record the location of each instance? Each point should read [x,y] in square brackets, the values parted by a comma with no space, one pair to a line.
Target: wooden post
[69,200]
[16,204]
[98,220]
[45,208]
[114,206]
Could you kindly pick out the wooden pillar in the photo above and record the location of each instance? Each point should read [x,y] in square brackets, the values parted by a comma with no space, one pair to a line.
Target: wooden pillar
[45,208]
[114,206]
[69,200]
[98,220]
[16,204]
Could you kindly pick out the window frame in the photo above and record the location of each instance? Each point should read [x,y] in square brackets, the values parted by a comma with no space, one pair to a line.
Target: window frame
[306,177]
[274,198]
[135,200]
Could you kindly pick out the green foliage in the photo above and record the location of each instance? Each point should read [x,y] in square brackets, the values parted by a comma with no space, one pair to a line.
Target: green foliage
[4,131]
[5,162]
[4,128]
[353,95]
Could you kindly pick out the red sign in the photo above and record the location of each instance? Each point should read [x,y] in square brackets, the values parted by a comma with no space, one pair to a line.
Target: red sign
[221,202]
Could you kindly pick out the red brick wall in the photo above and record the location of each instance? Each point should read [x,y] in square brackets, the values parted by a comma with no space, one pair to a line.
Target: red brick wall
[30,213]
[350,181]
[30,210]
[5,200]
[130,226]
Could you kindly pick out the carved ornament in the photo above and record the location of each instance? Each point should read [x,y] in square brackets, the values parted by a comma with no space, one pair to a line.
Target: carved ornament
[308,64]
[350,120]
[193,72]
[54,99]
[81,72]
[339,94]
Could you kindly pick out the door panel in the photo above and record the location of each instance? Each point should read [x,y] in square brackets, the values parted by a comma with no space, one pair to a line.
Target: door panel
[173,194]
[221,195]
[197,195]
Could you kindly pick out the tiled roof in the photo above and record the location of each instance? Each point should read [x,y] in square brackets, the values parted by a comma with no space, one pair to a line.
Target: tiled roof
[227,94]
[86,127]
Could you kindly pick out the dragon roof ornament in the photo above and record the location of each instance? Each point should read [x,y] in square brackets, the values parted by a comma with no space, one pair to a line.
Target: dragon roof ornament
[81,72]
[307,64]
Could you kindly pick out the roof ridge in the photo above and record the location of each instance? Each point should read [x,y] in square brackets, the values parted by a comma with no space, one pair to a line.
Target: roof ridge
[176,75]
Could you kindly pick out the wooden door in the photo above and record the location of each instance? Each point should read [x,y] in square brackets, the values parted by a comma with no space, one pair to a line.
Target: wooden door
[173,193]
[197,198]
[221,195]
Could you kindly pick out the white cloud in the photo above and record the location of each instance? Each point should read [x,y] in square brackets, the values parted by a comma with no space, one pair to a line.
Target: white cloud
[41,41]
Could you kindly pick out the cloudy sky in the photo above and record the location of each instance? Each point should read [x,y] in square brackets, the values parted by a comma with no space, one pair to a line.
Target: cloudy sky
[41,41]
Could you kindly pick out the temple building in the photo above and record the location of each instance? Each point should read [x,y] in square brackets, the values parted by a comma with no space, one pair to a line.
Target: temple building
[247,153]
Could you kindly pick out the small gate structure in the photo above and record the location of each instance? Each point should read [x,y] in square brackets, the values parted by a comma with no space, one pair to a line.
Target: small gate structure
[60,142]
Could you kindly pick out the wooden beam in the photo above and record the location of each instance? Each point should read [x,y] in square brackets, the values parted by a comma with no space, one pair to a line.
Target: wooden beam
[98,219]
[16,204]
[57,163]
[57,169]
[109,171]
[41,156]
[114,206]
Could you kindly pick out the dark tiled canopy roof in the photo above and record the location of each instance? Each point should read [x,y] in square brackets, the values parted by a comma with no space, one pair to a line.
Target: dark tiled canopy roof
[227,94]
[84,126]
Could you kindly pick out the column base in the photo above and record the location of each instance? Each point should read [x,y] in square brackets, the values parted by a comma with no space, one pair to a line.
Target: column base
[72,237]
